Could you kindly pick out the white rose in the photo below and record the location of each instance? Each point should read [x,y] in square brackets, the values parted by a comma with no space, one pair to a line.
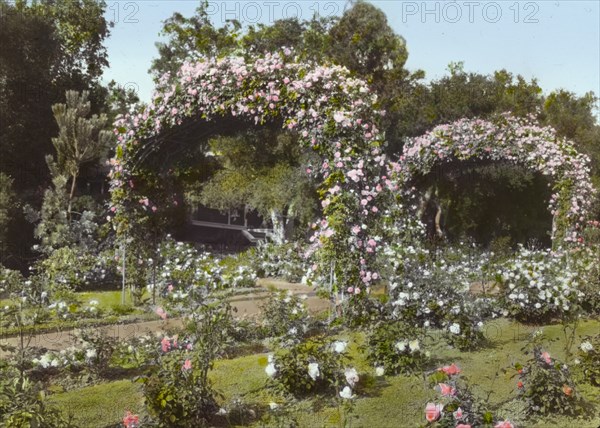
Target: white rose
[586,346]
[414,345]
[455,328]
[401,346]
[313,370]
[346,393]
[379,371]
[339,346]
[270,370]
[351,376]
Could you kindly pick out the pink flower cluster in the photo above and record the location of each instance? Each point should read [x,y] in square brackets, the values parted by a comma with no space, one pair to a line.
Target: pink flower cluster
[333,112]
[435,411]
[520,141]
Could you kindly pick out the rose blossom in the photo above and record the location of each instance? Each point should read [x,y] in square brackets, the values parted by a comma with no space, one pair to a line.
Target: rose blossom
[433,411]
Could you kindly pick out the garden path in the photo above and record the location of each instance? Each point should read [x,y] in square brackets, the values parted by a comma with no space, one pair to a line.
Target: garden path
[247,306]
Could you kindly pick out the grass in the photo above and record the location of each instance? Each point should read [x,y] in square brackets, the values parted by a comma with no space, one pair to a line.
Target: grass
[394,401]
[100,405]
[108,301]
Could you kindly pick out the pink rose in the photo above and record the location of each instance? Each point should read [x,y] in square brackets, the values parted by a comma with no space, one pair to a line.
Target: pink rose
[463,426]
[165,344]
[504,424]
[433,411]
[187,365]
[458,414]
[450,370]
[446,390]
[357,290]
[546,357]
[161,313]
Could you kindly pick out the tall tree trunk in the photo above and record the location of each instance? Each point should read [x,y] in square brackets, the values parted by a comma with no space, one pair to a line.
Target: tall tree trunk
[438,215]
[73,184]
[289,222]
[278,234]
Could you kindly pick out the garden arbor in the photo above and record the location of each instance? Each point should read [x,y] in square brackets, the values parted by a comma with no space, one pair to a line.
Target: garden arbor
[332,113]
[335,115]
[520,141]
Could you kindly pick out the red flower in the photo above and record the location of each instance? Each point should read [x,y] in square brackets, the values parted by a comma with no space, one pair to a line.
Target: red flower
[519,384]
[450,370]
[130,420]
[567,390]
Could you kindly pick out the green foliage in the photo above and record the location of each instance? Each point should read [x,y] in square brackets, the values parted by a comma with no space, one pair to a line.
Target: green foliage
[397,348]
[285,261]
[193,37]
[487,202]
[363,41]
[285,316]
[23,403]
[8,204]
[67,269]
[307,367]
[262,170]
[547,386]
[177,388]
[588,359]
[47,48]
[80,138]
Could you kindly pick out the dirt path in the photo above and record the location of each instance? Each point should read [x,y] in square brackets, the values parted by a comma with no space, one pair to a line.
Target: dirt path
[247,306]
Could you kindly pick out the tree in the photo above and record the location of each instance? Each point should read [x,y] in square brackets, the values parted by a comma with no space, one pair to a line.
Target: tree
[193,38]
[573,117]
[48,46]
[262,170]
[120,101]
[80,139]
[363,41]
[8,204]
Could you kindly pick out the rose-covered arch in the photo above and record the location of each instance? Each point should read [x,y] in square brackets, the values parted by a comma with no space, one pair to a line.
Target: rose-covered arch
[332,113]
[521,141]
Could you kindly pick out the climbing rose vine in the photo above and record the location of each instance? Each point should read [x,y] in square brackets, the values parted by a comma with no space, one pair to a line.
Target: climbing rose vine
[521,141]
[332,113]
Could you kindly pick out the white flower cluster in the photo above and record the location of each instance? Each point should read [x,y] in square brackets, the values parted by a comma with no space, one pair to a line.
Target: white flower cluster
[540,283]
[283,261]
[70,357]
[184,268]
[411,346]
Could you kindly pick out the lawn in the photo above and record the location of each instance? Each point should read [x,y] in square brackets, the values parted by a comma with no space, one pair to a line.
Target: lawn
[395,401]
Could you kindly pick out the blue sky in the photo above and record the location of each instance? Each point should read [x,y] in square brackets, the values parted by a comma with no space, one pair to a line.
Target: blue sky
[557,42]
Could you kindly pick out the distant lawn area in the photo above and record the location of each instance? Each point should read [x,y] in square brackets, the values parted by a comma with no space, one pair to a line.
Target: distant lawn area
[395,401]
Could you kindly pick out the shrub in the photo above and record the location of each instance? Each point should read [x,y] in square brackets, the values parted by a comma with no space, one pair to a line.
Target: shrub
[176,387]
[434,292]
[23,403]
[285,261]
[539,285]
[546,384]
[285,316]
[589,359]
[184,271]
[396,348]
[457,406]
[314,365]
